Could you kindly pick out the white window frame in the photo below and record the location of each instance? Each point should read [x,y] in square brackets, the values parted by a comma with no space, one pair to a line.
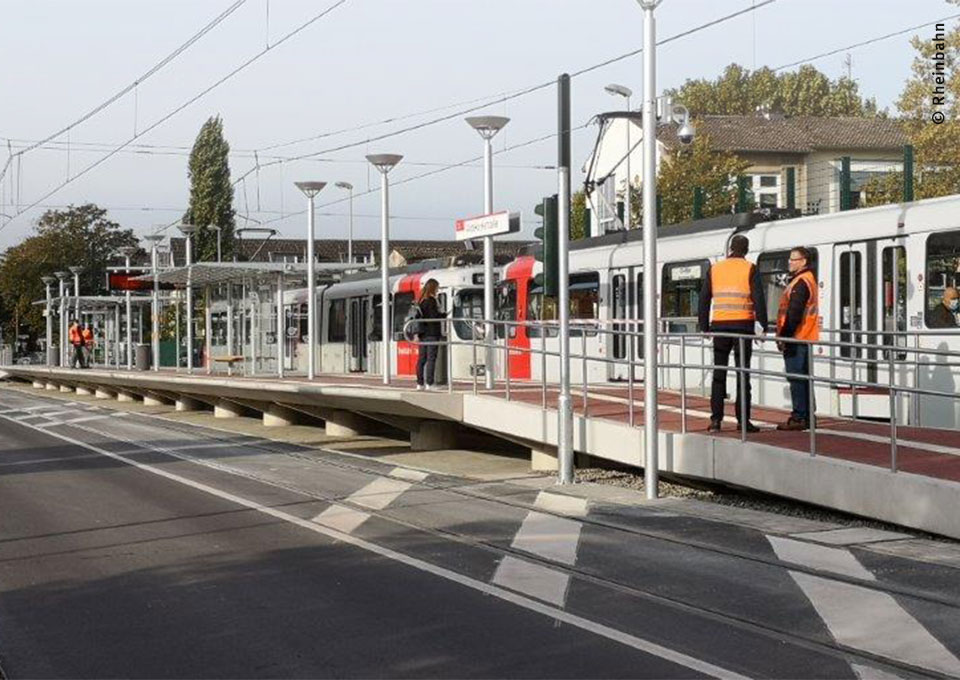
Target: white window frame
[759,190]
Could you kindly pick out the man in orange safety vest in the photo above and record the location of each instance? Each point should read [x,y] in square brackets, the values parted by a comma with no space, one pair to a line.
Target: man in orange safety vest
[799,318]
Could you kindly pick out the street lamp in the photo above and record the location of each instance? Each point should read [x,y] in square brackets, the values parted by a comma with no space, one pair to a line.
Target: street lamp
[47,282]
[76,289]
[650,321]
[63,276]
[626,93]
[154,241]
[488,127]
[349,187]
[188,230]
[310,190]
[127,252]
[384,163]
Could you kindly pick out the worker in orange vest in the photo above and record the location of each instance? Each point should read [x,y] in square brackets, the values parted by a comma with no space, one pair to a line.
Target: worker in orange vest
[76,339]
[732,302]
[87,335]
[799,318]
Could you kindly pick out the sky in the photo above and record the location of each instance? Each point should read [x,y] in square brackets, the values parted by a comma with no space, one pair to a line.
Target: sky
[364,62]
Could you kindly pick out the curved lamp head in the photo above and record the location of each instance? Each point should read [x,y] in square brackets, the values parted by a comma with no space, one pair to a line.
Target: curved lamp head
[487,126]
[619,90]
[76,270]
[310,189]
[345,185]
[63,276]
[384,162]
[127,251]
[188,230]
[153,238]
[48,280]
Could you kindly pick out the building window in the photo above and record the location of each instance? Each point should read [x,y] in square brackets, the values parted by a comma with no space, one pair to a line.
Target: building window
[943,271]
[606,206]
[285,258]
[766,190]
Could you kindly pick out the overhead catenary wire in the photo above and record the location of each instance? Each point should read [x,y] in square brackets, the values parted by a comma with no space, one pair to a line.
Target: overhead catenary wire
[156,68]
[181,107]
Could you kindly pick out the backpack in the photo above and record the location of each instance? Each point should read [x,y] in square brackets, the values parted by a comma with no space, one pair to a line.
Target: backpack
[413,324]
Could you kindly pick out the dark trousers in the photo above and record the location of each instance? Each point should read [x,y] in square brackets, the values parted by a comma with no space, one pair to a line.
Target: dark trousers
[78,357]
[796,358]
[427,361]
[722,348]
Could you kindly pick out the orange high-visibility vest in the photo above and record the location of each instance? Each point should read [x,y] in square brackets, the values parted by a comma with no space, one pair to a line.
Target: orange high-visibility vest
[809,328]
[88,337]
[730,284]
[74,335]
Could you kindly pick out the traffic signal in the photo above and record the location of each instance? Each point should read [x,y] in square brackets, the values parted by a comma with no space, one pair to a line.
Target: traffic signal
[548,252]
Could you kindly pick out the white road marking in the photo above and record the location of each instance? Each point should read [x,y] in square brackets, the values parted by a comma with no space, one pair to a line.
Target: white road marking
[408,474]
[532,579]
[379,493]
[561,504]
[75,420]
[341,518]
[874,622]
[851,536]
[62,412]
[28,408]
[553,613]
[835,560]
[548,536]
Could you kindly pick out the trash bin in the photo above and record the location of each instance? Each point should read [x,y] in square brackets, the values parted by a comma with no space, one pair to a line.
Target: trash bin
[143,357]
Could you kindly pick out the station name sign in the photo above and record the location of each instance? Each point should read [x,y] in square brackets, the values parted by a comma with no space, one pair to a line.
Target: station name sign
[488,225]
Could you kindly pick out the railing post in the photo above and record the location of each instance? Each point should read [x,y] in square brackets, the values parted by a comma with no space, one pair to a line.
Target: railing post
[473,345]
[853,386]
[742,379]
[916,380]
[893,420]
[450,339]
[583,368]
[811,401]
[630,359]
[683,384]
[506,362]
[543,367]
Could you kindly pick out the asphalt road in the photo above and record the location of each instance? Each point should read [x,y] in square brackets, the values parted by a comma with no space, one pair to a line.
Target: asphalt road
[133,547]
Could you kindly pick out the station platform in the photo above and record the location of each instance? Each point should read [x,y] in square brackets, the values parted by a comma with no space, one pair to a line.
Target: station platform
[852,466]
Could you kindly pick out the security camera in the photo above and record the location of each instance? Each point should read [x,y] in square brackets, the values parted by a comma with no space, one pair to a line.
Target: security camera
[686,134]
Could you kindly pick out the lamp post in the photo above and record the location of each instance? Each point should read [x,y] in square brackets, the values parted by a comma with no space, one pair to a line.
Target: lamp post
[48,281]
[625,92]
[127,252]
[384,163]
[188,230]
[63,276]
[650,321]
[154,241]
[310,190]
[349,187]
[76,289]
[488,127]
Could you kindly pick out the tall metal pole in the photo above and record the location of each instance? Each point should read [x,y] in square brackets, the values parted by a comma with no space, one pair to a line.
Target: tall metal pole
[47,282]
[650,321]
[488,264]
[207,330]
[155,309]
[564,401]
[189,244]
[312,295]
[627,217]
[385,275]
[350,235]
[129,318]
[281,331]
[76,289]
[63,322]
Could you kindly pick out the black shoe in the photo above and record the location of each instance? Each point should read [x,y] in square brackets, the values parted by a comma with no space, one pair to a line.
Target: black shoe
[714,426]
[751,428]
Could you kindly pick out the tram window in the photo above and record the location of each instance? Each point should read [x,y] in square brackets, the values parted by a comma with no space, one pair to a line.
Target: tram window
[376,328]
[943,271]
[402,302]
[774,277]
[681,286]
[302,321]
[851,310]
[639,314]
[584,304]
[618,305]
[895,296]
[337,324]
[468,304]
[506,307]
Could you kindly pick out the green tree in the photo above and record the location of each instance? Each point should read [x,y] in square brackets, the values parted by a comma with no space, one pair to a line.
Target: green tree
[211,193]
[698,165]
[78,235]
[578,216]
[804,92]
[936,145]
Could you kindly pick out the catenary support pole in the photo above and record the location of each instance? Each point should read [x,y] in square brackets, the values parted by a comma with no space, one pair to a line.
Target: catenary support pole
[564,402]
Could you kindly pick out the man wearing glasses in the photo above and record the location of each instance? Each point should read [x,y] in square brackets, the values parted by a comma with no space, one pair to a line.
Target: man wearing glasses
[799,318]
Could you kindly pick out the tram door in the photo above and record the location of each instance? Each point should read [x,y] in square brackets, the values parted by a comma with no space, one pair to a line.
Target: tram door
[626,290]
[357,334]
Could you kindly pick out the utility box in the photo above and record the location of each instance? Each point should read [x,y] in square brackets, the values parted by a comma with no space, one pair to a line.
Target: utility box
[143,357]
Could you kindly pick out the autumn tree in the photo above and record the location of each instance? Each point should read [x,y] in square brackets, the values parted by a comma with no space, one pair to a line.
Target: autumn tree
[804,92]
[78,235]
[211,193]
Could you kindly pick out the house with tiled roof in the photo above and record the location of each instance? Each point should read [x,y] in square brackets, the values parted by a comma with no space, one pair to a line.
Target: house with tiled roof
[808,149]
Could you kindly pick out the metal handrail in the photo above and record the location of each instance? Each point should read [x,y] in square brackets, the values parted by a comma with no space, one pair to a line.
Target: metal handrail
[667,338]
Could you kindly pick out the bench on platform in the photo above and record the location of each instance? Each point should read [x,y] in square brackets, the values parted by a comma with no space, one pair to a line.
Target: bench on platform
[229,360]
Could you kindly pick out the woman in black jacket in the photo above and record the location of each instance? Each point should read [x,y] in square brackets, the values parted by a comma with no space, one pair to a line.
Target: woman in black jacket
[430,334]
